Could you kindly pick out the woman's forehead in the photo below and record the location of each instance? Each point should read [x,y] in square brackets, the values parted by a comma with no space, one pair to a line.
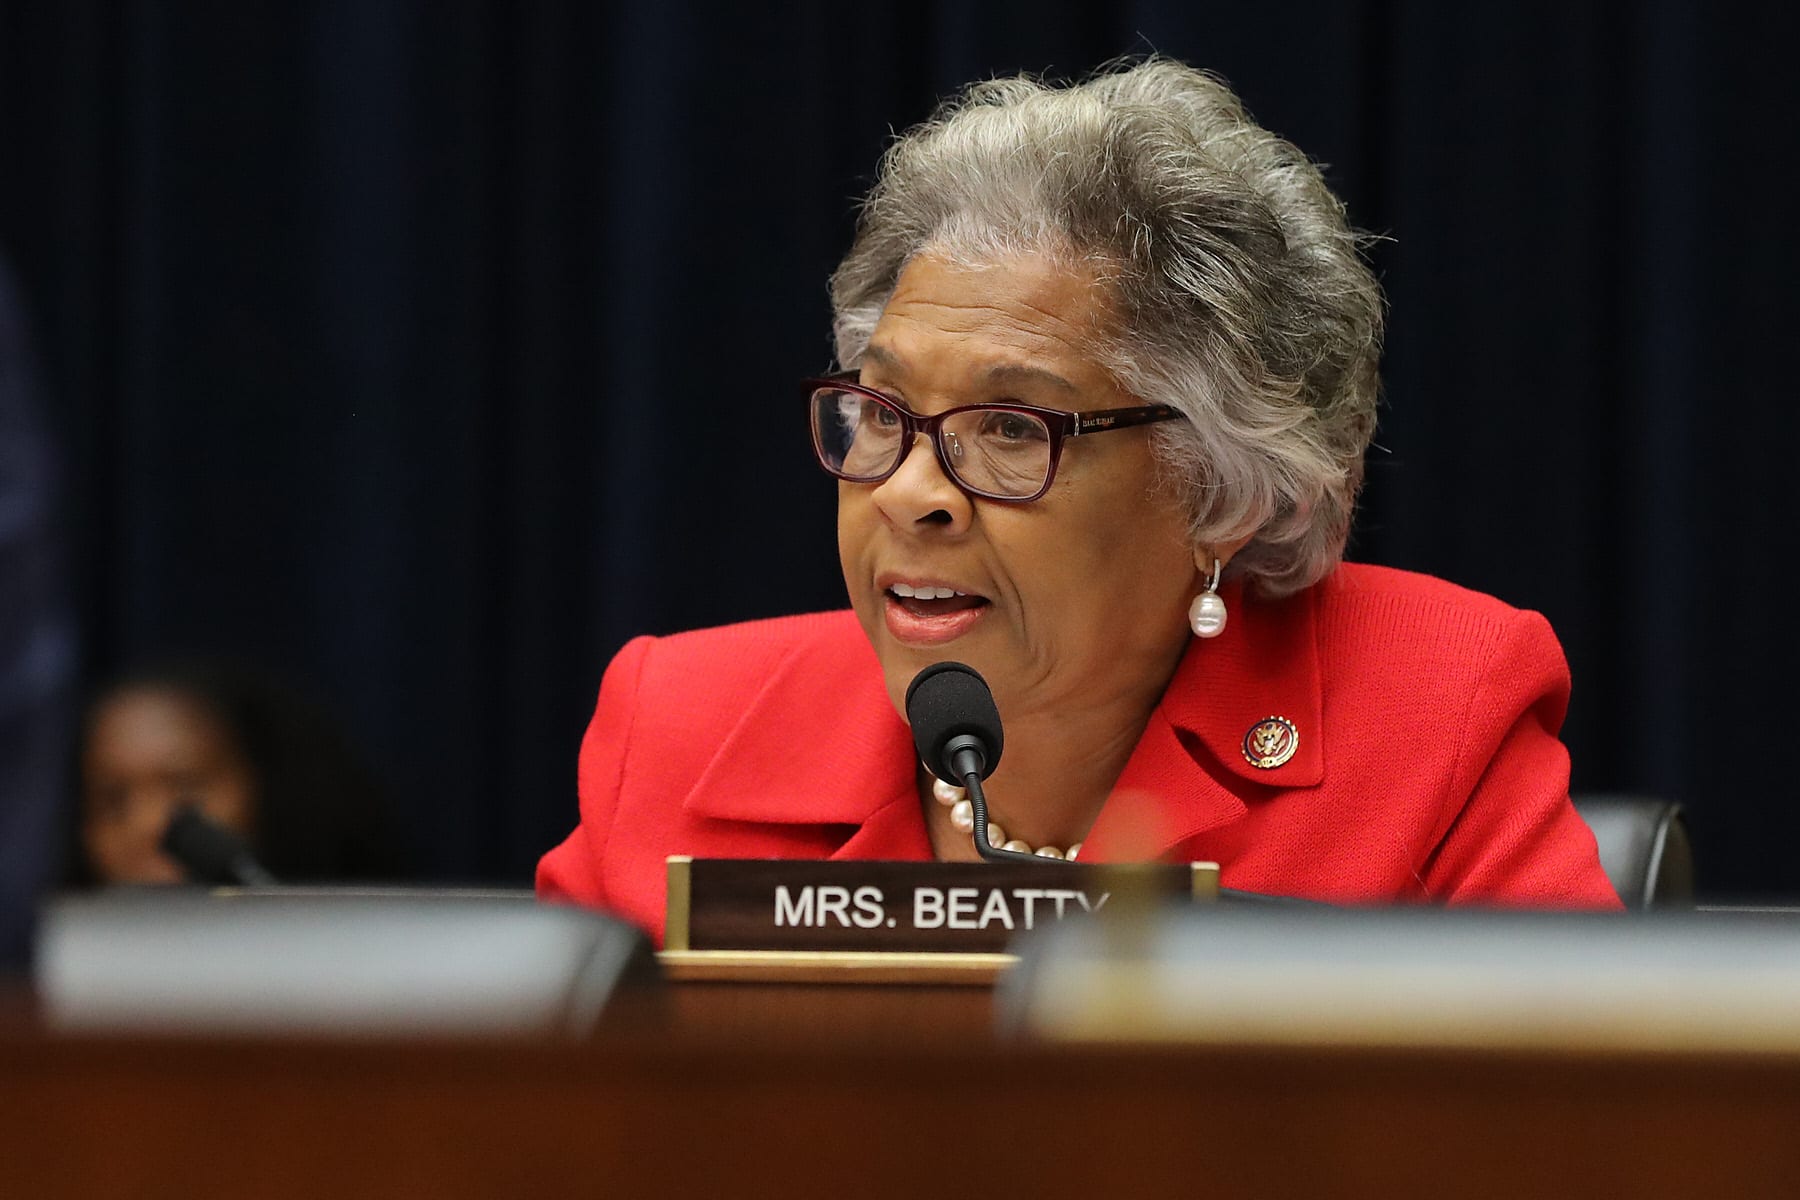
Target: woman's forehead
[1023,320]
[149,720]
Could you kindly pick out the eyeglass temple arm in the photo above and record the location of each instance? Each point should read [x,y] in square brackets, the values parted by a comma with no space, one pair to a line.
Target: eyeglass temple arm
[1121,418]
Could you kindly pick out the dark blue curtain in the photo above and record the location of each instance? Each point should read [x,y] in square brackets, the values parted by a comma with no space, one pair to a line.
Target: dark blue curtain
[427,351]
[37,646]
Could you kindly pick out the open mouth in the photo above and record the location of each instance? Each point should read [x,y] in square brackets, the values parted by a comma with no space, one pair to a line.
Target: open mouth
[933,601]
[924,614]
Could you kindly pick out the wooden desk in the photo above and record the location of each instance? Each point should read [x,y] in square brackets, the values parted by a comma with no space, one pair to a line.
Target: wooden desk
[735,1118]
[780,1087]
[810,997]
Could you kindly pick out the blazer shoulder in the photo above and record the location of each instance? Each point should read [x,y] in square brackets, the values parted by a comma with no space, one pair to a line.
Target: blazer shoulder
[1361,590]
[1424,627]
[722,667]
[747,648]
[1366,581]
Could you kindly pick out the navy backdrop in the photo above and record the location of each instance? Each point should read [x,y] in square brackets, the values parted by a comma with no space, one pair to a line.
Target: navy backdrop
[429,350]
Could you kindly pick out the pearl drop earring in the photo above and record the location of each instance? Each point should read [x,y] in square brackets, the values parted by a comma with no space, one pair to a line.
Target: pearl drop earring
[1206,616]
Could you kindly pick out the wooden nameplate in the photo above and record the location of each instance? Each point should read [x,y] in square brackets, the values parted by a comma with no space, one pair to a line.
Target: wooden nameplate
[789,906]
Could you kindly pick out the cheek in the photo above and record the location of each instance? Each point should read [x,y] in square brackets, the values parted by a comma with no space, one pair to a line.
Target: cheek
[229,802]
[103,839]
[1119,572]
[854,530]
[127,852]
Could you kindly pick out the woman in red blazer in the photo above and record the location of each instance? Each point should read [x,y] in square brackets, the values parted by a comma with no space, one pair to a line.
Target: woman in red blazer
[1184,667]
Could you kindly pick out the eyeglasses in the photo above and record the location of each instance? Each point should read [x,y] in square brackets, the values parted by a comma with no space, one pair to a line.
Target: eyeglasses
[1005,452]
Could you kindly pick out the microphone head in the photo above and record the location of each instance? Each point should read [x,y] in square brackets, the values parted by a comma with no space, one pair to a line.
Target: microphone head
[946,701]
[206,850]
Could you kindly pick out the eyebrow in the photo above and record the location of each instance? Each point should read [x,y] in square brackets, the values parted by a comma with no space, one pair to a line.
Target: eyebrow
[1016,373]
[881,356]
[1001,374]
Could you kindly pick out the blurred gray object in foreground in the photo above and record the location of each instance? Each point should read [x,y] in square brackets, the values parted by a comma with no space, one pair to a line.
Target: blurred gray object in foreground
[319,961]
[1704,982]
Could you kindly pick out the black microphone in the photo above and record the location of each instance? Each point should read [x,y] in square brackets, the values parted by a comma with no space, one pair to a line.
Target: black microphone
[954,722]
[956,729]
[211,853]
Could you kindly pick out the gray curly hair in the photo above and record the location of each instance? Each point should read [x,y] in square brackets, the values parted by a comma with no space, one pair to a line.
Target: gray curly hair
[1240,294]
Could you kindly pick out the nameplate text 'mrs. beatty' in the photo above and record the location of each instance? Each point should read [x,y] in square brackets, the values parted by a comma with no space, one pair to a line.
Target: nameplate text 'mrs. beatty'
[799,904]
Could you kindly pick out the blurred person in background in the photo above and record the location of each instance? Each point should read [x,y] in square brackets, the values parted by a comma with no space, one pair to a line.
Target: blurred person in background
[249,754]
[37,640]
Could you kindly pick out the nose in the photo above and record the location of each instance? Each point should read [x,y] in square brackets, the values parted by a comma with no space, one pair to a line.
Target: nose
[920,493]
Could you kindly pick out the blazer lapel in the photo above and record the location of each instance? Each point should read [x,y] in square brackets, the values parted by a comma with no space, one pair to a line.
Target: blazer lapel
[819,744]
[1190,772]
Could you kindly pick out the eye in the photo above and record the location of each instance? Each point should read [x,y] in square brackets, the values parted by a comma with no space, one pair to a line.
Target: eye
[880,414]
[1013,427]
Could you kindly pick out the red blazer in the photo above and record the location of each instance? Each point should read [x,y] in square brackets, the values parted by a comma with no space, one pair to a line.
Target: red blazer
[1427,766]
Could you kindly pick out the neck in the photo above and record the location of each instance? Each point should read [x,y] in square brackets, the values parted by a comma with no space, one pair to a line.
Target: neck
[1059,767]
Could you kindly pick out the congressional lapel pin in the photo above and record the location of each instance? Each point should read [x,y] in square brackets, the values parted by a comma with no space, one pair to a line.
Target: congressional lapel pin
[1271,742]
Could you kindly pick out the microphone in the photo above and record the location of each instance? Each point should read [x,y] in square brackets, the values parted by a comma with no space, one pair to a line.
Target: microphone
[954,722]
[211,853]
[956,729]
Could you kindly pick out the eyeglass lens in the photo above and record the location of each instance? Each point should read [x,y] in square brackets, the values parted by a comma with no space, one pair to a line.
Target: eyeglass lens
[991,450]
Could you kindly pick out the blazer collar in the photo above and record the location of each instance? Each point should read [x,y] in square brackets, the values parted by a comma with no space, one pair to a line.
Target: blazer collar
[820,742]
[1265,665]
[1190,769]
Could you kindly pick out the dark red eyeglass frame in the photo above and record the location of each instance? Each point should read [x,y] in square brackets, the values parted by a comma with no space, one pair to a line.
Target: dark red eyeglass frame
[1061,425]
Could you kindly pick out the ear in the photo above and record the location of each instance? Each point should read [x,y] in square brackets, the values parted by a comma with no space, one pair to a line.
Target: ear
[1224,552]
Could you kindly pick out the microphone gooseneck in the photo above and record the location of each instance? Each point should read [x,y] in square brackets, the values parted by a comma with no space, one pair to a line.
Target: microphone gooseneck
[211,853]
[956,729]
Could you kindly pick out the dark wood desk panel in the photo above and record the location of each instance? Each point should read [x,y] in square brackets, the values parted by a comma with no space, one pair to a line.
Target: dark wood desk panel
[833,995]
[728,1117]
[785,1012]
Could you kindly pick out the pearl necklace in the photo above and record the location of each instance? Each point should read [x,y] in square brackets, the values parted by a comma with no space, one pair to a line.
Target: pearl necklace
[962,815]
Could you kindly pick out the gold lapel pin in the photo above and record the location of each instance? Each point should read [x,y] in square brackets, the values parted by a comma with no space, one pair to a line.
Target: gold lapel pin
[1271,742]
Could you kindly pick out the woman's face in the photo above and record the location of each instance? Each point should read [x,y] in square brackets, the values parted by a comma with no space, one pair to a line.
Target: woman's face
[148,751]
[1074,601]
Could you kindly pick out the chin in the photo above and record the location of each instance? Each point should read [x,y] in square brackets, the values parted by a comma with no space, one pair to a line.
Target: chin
[899,664]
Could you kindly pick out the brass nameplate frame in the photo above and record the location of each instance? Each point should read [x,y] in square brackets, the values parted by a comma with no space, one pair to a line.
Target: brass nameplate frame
[718,904]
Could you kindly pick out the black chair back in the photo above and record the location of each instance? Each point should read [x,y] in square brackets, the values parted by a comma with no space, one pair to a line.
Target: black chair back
[1644,848]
